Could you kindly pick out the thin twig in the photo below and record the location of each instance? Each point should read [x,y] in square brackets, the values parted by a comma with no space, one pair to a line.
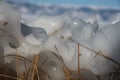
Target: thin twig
[78,59]
[67,72]
[18,56]
[101,54]
[2,75]
[17,65]
[25,65]
[44,61]
[36,59]
[37,73]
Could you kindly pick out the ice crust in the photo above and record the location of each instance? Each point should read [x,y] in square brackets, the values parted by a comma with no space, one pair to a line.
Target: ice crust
[62,35]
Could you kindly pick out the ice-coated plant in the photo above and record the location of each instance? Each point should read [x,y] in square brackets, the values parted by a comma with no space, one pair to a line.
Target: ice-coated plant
[57,48]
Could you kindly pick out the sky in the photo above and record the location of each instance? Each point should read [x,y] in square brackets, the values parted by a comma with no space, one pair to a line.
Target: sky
[111,3]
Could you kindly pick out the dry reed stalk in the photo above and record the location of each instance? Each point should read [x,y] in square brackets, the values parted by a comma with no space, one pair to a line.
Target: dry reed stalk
[67,73]
[66,70]
[36,71]
[21,58]
[44,62]
[78,59]
[101,54]
[25,65]
[79,62]
[17,64]
[2,75]
[36,59]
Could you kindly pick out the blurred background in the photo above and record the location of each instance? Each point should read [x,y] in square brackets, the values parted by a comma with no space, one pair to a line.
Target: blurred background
[104,11]
[108,3]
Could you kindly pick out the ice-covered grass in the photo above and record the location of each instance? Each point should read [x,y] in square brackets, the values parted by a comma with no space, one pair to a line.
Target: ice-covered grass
[61,47]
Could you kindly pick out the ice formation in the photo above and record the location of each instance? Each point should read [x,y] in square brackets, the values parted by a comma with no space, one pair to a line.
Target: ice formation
[62,36]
